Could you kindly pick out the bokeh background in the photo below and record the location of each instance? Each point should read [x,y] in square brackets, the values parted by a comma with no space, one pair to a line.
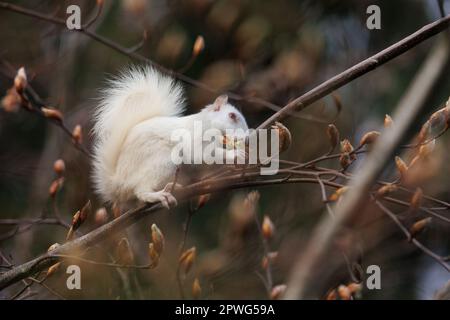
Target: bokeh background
[276,50]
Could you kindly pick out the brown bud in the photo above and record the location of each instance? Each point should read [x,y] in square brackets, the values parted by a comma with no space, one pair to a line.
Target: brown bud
[77,134]
[11,102]
[369,138]
[416,199]
[124,253]
[56,186]
[344,292]
[76,220]
[338,193]
[199,45]
[52,114]
[196,289]
[53,247]
[385,190]
[202,200]
[267,228]
[388,122]
[284,136]
[401,167]
[346,146]
[158,239]
[153,254]
[277,291]
[101,216]
[418,227]
[59,167]
[20,81]
[53,269]
[333,135]
[187,258]
[84,212]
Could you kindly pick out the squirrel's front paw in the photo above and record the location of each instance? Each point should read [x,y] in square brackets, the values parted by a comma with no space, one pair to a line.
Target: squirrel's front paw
[166,199]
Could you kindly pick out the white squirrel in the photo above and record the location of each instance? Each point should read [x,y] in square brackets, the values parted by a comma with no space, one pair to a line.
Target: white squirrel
[134,121]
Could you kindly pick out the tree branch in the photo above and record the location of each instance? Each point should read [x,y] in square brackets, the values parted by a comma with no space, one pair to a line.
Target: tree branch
[359,70]
[183,194]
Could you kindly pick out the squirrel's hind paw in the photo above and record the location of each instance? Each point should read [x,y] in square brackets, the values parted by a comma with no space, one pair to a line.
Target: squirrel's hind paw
[166,199]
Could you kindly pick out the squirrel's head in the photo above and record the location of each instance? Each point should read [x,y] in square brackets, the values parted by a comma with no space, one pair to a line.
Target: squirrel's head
[223,115]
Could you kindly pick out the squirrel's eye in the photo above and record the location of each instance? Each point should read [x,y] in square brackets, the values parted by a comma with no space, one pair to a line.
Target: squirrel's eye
[233,116]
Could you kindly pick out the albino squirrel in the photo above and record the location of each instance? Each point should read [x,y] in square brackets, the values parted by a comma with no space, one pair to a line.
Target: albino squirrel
[133,125]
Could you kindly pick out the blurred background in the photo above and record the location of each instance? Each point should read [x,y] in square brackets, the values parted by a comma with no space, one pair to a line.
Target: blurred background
[275,50]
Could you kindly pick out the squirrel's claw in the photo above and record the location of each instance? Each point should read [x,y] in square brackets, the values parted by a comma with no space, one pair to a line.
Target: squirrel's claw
[171,201]
[166,199]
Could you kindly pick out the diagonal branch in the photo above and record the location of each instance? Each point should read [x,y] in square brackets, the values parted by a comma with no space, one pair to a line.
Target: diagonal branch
[183,194]
[359,69]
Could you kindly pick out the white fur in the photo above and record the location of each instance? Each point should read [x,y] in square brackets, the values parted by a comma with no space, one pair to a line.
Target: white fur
[133,126]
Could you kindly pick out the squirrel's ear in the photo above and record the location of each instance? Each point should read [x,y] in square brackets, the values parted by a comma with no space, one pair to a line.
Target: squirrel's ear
[220,101]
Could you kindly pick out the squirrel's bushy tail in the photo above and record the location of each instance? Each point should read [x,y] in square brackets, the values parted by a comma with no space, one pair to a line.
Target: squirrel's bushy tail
[136,95]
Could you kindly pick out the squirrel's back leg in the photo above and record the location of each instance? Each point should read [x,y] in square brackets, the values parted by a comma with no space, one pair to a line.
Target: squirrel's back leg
[145,190]
[145,164]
